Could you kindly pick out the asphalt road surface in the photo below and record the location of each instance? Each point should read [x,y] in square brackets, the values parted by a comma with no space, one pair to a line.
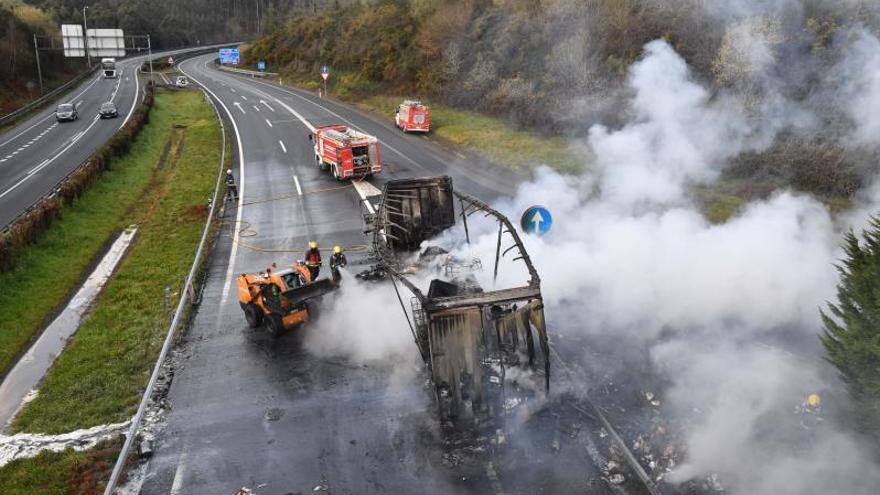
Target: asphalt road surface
[250,410]
[38,152]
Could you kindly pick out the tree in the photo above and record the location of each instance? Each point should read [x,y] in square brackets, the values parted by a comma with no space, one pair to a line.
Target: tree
[852,329]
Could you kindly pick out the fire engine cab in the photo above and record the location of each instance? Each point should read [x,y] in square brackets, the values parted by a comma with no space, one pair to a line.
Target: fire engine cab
[346,152]
[412,115]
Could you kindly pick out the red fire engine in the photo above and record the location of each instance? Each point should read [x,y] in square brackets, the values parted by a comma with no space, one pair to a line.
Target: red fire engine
[413,116]
[346,152]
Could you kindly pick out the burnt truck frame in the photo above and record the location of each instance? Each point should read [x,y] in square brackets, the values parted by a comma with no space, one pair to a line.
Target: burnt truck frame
[468,339]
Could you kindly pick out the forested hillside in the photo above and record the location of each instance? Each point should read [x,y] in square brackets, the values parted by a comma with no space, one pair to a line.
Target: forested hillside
[170,24]
[18,70]
[561,66]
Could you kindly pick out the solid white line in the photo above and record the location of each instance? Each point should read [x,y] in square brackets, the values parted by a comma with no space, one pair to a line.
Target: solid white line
[269,123]
[231,265]
[298,189]
[282,145]
[48,116]
[134,101]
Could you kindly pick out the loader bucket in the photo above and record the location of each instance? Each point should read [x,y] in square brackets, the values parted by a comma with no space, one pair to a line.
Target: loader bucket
[318,288]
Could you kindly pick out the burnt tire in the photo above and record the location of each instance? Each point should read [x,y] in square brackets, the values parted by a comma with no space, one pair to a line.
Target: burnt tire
[274,325]
[252,315]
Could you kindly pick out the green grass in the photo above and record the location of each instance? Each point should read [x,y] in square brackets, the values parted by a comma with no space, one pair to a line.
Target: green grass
[101,374]
[60,473]
[66,251]
[490,137]
[487,136]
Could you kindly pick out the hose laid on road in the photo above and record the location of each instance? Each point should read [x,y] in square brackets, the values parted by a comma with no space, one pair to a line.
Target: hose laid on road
[245,230]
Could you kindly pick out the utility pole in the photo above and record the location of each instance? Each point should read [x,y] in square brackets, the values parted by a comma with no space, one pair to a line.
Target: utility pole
[39,71]
[150,54]
[86,38]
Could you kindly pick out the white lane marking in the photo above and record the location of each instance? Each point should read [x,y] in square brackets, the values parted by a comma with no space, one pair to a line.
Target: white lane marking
[298,188]
[256,108]
[134,101]
[230,269]
[177,484]
[263,102]
[365,189]
[232,89]
[296,114]
[282,145]
[269,123]
[52,114]
[243,97]
[238,105]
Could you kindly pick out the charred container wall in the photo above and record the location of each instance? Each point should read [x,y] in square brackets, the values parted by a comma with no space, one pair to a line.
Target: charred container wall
[416,210]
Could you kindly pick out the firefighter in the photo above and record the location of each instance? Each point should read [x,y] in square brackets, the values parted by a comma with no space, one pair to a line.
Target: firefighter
[230,186]
[313,259]
[337,261]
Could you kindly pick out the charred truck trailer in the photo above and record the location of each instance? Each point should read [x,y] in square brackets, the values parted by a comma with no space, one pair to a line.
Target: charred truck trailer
[481,346]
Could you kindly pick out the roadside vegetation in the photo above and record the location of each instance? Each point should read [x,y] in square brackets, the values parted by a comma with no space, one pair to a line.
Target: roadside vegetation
[61,473]
[852,326]
[554,68]
[491,137]
[100,375]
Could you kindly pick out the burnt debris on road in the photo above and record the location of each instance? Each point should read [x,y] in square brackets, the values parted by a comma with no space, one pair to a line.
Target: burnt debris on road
[469,337]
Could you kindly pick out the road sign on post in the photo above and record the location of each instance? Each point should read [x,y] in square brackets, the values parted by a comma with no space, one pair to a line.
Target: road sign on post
[536,220]
[325,73]
[229,56]
[261,66]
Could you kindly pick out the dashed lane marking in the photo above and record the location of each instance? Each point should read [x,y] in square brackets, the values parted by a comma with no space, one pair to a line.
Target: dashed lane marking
[282,145]
[269,123]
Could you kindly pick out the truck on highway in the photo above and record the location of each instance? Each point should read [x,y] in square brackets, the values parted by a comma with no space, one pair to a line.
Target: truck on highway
[412,115]
[108,68]
[280,299]
[347,153]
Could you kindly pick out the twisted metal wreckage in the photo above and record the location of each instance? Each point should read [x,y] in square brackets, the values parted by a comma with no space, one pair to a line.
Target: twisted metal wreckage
[470,338]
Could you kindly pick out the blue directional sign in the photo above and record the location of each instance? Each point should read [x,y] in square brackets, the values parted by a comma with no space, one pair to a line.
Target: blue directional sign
[229,56]
[261,65]
[536,220]
[325,72]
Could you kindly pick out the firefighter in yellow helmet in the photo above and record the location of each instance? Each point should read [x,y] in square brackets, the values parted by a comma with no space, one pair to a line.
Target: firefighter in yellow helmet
[313,259]
[337,261]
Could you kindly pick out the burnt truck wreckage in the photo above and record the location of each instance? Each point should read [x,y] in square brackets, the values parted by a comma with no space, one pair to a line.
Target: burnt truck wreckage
[470,338]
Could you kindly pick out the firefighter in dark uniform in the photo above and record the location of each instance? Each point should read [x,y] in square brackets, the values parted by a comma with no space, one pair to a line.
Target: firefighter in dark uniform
[230,186]
[313,260]
[337,261]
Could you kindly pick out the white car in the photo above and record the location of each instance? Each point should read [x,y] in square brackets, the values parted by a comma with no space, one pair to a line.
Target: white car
[182,81]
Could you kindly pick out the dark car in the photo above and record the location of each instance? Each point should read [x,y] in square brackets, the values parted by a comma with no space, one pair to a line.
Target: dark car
[66,111]
[108,110]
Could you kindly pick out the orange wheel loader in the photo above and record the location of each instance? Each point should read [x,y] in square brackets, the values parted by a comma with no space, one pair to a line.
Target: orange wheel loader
[280,299]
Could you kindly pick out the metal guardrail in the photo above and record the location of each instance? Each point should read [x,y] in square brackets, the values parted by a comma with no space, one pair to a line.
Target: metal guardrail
[187,293]
[57,186]
[39,102]
[252,73]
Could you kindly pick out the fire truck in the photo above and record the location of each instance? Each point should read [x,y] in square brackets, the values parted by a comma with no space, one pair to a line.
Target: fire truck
[412,115]
[346,152]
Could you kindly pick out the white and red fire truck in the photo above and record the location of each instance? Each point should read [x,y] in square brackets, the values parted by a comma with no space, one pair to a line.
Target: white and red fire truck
[412,115]
[346,152]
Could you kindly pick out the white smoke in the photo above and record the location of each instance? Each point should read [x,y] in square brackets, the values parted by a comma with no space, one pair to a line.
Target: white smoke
[630,255]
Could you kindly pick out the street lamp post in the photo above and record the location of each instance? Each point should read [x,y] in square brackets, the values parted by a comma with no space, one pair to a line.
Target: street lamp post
[86,37]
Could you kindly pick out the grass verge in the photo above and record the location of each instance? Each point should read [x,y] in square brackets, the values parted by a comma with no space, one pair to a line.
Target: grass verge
[486,136]
[61,473]
[100,375]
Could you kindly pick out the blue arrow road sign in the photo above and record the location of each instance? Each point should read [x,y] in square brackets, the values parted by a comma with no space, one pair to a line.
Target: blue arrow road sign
[536,220]
[261,65]
[325,69]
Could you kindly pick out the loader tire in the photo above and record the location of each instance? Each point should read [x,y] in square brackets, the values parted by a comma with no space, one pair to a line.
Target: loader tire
[252,315]
[274,325]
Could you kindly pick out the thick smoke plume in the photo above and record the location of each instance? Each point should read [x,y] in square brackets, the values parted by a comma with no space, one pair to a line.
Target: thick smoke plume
[727,312]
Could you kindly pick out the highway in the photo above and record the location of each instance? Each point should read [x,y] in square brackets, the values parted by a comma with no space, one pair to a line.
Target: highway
[250,410]
[38,152]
